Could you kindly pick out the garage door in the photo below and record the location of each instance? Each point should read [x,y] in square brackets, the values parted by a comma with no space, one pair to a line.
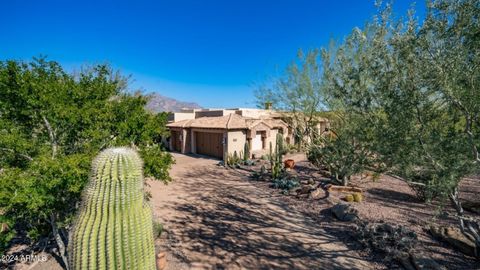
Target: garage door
[176,143]
[209,144]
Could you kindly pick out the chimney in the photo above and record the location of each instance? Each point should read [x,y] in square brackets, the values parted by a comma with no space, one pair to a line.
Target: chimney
[268,105]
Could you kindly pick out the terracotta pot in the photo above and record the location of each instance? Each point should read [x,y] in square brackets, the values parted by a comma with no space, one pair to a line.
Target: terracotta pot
[289,163]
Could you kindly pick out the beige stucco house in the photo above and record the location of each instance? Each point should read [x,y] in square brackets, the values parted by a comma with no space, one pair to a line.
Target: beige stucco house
[220,132]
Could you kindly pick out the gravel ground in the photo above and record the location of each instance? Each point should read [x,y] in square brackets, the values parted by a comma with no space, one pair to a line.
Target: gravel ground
[215,218]
[392,201]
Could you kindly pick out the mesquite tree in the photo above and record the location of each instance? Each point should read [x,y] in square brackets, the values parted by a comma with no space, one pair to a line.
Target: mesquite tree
[52,124]
[416,89]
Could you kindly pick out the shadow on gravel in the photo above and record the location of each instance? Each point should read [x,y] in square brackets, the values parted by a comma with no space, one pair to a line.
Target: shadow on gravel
[225,223]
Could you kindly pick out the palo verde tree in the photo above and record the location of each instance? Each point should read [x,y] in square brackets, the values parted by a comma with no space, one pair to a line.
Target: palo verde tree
[52,124]
[415,88]
[298,94]
[344,150]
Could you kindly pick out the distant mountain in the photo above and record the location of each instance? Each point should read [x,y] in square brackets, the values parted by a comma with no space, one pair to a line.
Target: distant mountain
[159,103]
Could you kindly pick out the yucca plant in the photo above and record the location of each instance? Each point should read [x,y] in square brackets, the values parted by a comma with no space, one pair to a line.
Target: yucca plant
[113,229]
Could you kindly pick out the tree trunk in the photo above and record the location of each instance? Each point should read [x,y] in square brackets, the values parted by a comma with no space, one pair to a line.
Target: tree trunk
[469,228]
[60,243]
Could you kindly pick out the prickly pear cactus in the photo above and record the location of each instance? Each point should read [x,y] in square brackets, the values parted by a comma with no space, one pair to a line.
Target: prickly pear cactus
[114,227]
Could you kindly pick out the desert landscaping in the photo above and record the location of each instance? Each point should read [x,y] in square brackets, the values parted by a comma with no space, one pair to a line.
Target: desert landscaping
[217,217]
[205,135]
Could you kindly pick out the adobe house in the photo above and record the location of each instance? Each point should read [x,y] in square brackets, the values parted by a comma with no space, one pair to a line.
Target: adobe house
[218,133]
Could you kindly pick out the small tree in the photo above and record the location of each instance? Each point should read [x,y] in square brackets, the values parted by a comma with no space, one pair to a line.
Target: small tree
[416,88]
[298,94]
[342,151]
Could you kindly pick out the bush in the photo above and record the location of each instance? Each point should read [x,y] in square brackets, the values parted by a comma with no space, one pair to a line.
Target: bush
[6,233]
[342,156]
[157,229]
[261,175]
[52,124]
[285,184]
[234,160]
[391,240]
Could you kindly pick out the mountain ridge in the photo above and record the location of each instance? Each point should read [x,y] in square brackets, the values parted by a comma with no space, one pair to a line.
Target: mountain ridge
[160,103]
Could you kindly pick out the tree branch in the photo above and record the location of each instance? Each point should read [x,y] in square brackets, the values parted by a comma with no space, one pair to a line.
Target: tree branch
[51,133]
[58,239]
[19,154]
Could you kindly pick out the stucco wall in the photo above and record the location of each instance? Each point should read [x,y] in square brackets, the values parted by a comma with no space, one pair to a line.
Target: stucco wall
[254,113]
[272,138]
[179,116]
[236,141]
[213,113]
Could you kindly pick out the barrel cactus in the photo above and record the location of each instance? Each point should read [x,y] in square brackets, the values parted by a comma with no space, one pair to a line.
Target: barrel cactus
[113,229]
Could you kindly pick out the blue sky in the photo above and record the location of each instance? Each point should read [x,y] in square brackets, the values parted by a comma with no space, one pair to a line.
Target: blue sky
[209,52]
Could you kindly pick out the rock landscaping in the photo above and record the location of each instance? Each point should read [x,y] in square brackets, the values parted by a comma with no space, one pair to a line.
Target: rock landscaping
[384,216]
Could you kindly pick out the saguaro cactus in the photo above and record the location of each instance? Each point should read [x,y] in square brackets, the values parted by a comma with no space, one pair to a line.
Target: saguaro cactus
[114,227]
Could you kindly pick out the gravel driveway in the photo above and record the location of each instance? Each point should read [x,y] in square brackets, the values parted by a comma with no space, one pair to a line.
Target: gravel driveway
[215,218]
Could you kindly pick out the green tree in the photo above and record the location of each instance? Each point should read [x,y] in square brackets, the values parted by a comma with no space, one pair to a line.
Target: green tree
[298,94]
[344,150]
[52,124]
[415,89]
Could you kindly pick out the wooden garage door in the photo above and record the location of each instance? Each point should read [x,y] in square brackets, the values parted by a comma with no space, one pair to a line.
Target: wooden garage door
[209,144]
[176,143]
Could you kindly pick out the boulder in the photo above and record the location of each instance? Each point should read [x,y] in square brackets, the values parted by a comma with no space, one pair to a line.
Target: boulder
[305,189]
[344,212]
[317,193]
[454,237]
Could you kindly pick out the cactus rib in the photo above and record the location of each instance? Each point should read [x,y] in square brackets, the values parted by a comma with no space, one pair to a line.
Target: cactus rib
[113,229]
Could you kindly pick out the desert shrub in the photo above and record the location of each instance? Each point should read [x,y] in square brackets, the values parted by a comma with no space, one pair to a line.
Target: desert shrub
[233,160]
[342,155]
[248,162]
[6,233]
[157,229]
[285,184]
[259,175]
[52,124]
[392,240]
